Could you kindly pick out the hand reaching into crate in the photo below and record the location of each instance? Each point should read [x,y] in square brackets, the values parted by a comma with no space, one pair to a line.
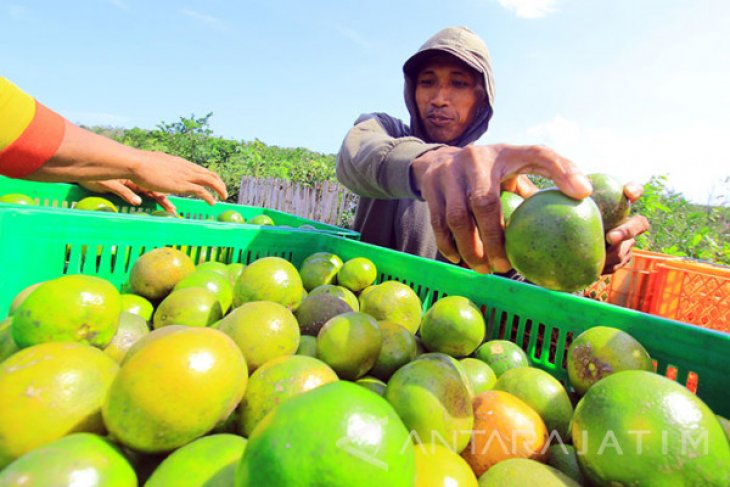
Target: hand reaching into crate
[129,192]
[38,144]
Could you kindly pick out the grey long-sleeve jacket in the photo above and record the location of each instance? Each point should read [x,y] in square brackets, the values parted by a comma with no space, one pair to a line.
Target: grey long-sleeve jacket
[375,158]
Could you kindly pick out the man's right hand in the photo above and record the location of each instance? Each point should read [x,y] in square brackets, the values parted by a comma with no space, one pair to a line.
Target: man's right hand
[462,188]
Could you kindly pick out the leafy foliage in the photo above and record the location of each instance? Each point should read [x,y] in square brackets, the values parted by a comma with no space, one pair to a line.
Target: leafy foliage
[678,226]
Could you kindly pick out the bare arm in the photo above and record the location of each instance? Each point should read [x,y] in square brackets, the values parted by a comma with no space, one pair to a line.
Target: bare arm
[86,156]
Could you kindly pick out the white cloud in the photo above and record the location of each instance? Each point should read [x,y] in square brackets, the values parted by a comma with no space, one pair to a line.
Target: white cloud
[206,19]
[693,157]
[529,9]
[120,4]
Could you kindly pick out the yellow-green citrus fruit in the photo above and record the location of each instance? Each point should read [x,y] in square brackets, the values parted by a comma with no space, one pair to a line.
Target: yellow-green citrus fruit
[316,310]
[502,355]
[601,351]
[234,270]
[137,305]
[278,381]
[318,272]
[345,436]
[399,348]
[333,258]
[263,330]
[21,296]
[77,459]
[357,274]
[307,346]
[269,279]
[17,199]
[230,216]
[208,461]
[212,265]
[174,386]
[51,390]
[556,242]
[439,466]
[524,472]
[191,306]
[70,308]
[339,292]
[481,376]
[7,344]
[372,384]
[454,326]
[564,458]
[543,393]
[261,220]
[433,401]
[214,282]
[96,203]
[510,201]
[393,301]
[639,428]
[350,344]
[608,193]
[156,272]
[131,328]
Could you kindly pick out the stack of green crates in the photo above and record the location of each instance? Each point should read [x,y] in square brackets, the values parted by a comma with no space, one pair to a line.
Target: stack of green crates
[61,195]
[40,244]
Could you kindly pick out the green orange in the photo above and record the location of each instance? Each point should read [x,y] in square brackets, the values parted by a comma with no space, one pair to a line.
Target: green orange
[372,384]
[156,272]
[215,266]
[399,348]
[190,306]
[640,428]
[69,308]
[345,435]
[17,199]
[96,203]
[524,472]
[278,381]
[261,220]
[357,274]
[263,330]
[131,329]
[564,458]
[69,461]
[339,292]
[269,279]
[454,326]
[510,201]
[213,281]
[350,344]
[393,301]
[7,344]
[230,216]
[21,296]
[481,376]
[502,355]
[175,385]
[316,310]
[439,466]
[49,391]
[137,305]
[307,346]
[208,461]
[608,193]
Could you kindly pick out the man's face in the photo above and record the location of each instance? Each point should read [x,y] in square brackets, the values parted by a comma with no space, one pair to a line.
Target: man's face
[447,94]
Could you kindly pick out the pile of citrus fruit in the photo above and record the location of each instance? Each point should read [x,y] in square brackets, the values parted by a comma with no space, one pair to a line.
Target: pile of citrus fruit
[269,374]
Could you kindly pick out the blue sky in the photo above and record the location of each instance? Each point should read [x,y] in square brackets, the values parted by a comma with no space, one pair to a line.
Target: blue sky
[630,87]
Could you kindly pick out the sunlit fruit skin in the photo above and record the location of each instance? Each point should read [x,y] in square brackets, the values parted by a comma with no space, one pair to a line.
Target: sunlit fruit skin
[269,279]
[504,427]
[439,466]
[21,296]
[339,292]
[556,242]
[433,401]
[502,355]
[524,472]
[318,272]
[174,385]
[481,376]
[208,461]
[640,428]
[190,306]
[214,281]
[357,274]
[96,203]
[454,326]
[601,351]
[230,216]
[344,436]
[333,258]
[261,220]
[156,272]
[51,390]
[277,381]
[510,201]
[17,199]
[70,308]
[263,331]
[608,193]
[543,393]
[70,460]
[132,303]
[350,343]
[393,301]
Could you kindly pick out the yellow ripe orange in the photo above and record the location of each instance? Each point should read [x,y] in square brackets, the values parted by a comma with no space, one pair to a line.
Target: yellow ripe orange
[174,386]
[504,427]
[439,466]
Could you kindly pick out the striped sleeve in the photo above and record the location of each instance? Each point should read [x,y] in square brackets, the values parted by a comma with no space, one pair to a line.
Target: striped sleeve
[30,133]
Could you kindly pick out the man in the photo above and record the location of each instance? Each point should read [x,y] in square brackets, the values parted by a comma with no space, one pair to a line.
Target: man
[426,189]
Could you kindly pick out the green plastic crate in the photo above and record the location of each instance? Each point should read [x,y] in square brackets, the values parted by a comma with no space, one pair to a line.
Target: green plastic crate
[41,244]
[62,195]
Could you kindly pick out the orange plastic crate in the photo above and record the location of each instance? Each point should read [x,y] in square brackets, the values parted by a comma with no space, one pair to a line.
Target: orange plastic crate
[693,292]
[631,286]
